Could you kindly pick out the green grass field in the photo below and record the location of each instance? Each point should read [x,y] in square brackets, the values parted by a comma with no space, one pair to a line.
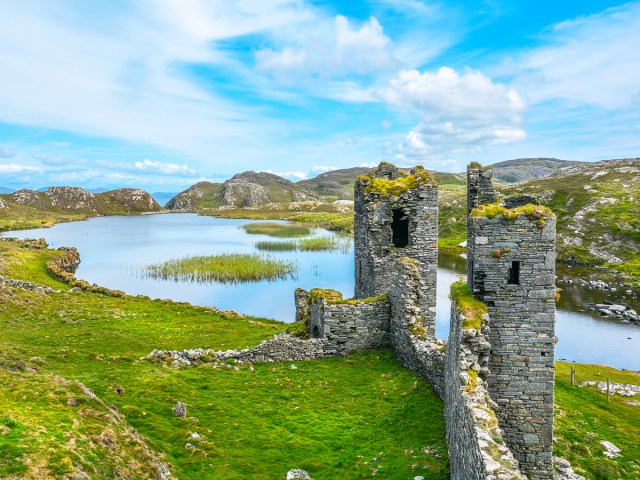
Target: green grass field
[336,418]
[332,417]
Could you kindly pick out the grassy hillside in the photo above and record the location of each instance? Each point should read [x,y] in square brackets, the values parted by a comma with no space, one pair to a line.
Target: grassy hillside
[347,418]
[598,210]
[331,417]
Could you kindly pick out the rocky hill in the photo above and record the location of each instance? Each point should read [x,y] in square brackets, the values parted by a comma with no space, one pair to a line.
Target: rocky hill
[598,210]
[247,189]
[76,199]
[30,208]
[524,169]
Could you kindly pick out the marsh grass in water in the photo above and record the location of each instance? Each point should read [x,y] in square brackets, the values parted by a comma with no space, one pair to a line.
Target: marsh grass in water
[277,246]
[315,244]
[225,268]
[285,230]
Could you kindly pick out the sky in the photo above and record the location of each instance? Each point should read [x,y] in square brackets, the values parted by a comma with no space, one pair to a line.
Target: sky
[161,94]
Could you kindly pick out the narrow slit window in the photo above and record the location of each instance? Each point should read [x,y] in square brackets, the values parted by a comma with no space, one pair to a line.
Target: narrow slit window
[514,274]
[400,229]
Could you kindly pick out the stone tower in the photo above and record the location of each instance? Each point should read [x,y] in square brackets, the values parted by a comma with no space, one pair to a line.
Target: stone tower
[396,215]
[479,192]
[511,257]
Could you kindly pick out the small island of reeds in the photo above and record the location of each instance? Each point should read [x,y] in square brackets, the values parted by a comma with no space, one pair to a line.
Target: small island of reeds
[315,244]
[225,268]
[273,229]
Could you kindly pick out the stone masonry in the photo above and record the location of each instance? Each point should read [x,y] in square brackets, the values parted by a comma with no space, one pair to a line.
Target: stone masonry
[476,447]
[512,270]
[396,215]
[479,192]
[348,325]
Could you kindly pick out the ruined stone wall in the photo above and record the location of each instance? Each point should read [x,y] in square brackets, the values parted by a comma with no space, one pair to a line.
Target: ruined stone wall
[282,347]
[350,325]
[476,448]
[415,346]
[513,273]
[376,211]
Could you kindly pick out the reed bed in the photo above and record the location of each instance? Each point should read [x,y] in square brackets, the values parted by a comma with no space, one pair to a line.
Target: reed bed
[225,268]
[284,230]
[324,244]
[316,244]
[277,246]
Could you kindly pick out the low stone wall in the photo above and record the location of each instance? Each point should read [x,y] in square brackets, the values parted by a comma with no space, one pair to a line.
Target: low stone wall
[64,266]
[413,342]
[348,325]
[34,287]
[281,347]
[476,448]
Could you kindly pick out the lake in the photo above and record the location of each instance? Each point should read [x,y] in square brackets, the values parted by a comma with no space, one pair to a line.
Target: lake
[114,251]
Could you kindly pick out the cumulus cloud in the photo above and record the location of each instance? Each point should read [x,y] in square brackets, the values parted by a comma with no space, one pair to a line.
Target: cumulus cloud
[15,168]
[457,111]
[327,50]
[163,168]
[6,153]
[591,59]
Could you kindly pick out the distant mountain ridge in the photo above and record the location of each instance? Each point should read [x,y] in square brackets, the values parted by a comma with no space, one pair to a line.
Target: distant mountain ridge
[255,189]
[79,200]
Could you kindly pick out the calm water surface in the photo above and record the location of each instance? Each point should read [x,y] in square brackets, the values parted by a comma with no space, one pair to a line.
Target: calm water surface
[114,251]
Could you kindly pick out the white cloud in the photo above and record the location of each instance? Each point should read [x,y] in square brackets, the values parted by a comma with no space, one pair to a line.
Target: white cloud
[15,168]
[317,169]
[593,59]
[386,124]
[369,165]
[120,72]
[6,153]
[456,111]
[328,49]
[164,168]
[289,175]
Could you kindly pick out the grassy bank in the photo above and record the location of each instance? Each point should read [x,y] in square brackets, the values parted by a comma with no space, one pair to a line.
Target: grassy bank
[225,268]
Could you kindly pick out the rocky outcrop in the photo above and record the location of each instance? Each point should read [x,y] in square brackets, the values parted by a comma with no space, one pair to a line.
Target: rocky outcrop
[31,198]
[133,200]
[241,193]
[196,196]
[3,204]
[72,198]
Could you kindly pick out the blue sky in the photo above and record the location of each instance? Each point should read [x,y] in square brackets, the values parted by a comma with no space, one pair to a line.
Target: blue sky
[159,94]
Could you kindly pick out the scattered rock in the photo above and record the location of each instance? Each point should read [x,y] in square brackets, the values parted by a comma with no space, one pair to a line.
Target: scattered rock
[72,402]
[297,474]
[189,446]
[623,389]
[610,450]
[293,367]
[564,470]
[180,410]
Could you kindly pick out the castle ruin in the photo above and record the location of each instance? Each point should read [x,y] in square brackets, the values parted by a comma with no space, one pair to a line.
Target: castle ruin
[495,373]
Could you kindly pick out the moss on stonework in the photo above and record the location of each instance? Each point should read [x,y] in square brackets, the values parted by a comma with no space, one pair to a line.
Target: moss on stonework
[478,166]
[469,306]
[532,212]
[418,330]
[395,187]
[333,296]
[472,384]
